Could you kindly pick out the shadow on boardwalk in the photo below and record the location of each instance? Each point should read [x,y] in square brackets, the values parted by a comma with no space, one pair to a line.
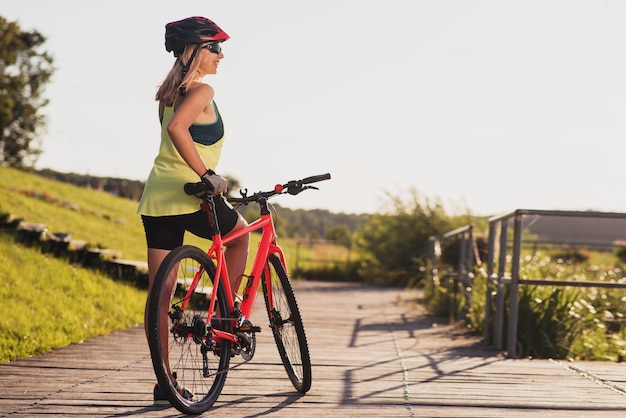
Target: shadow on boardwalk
[374,353]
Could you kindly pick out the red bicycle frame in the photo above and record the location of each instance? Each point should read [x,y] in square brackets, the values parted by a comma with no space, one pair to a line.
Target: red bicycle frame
[267,246]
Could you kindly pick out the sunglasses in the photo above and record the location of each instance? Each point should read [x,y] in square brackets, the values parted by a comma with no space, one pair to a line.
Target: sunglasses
[214,47]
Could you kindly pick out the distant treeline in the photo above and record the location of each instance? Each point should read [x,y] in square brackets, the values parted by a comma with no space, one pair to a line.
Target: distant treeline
[129,189]
[298,223]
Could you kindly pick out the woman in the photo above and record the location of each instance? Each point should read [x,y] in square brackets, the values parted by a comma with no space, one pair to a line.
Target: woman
[191,142]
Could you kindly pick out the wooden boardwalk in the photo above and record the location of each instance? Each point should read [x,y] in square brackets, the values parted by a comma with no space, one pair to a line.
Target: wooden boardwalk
[374,353]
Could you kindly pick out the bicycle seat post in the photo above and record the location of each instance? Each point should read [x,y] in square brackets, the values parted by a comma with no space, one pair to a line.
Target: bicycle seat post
[208,206]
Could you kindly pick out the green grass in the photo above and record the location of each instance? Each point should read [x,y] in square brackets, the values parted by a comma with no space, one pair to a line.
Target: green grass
[47,303]
[585,323]
[581,323]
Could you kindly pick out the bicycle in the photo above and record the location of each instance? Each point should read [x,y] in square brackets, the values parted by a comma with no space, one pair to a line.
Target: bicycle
[195,322]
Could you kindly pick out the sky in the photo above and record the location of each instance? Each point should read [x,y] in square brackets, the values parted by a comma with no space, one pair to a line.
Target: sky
[483,106]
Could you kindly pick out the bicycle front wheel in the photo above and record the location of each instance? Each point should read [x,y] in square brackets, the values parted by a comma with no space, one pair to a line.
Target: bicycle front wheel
[190,365]
[286,324]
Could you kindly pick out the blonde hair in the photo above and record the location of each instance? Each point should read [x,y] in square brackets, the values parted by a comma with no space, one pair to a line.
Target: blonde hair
[177,80]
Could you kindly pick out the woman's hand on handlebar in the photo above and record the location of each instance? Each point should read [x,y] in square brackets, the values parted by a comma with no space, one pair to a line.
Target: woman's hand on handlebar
[216,183]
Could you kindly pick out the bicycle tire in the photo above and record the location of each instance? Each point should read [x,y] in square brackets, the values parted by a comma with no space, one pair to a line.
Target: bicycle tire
[286,324]
[185,365]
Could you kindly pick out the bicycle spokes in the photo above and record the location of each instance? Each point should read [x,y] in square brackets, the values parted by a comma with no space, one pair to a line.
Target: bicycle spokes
[286,324]
[180,333]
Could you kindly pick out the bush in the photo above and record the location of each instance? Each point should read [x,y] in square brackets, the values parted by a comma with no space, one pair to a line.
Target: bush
[620,253]
[394,248]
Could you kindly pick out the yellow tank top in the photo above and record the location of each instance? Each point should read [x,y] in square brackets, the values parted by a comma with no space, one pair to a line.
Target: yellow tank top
[163,194]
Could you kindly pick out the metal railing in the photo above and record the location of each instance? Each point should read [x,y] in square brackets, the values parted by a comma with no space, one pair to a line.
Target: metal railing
[504,252]
[463,272]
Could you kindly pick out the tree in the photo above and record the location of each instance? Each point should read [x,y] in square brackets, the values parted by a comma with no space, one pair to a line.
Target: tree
[340,234]
[24,71]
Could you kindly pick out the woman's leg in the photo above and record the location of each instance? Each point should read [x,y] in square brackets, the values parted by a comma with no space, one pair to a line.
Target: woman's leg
[155,258]
[236,255]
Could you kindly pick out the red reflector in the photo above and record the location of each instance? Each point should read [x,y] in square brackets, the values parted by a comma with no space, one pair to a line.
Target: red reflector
[278,188]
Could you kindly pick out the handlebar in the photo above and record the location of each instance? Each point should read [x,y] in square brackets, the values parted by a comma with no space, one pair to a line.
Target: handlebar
[315,179]
[292,187]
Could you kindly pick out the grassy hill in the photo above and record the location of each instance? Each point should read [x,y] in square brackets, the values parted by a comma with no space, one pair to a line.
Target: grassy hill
[48,303]
[104,220]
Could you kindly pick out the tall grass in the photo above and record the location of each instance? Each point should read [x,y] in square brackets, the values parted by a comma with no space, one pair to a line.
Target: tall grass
[575,322]
[48,303]
[546,328]
[584,323]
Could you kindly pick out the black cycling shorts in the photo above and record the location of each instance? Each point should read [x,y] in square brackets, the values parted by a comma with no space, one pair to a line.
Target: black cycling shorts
[168,232]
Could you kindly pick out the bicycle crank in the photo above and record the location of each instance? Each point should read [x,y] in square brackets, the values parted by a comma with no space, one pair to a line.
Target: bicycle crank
[246,333]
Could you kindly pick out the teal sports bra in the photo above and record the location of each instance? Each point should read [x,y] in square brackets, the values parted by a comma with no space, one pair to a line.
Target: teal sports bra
[208,133]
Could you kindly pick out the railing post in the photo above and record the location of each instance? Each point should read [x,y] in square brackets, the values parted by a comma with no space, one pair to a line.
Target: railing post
[433,254]
[514,289]
[459,281]
[487,330]
[469,262]
[499,319]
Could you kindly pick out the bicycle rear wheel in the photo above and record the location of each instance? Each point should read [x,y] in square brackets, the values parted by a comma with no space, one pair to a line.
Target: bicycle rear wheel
[286,324]
[189,366]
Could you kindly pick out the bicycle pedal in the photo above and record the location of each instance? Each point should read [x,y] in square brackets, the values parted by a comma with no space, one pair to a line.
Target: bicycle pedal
[248,328]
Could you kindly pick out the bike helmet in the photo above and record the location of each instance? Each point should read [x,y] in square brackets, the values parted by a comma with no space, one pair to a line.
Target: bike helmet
[192,30]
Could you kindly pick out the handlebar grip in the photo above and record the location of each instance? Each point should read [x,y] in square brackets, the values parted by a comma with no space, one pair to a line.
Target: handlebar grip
[315,179]
[195,188]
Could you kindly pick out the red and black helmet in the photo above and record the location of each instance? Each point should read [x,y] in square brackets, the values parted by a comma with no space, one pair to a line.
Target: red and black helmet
[192,30]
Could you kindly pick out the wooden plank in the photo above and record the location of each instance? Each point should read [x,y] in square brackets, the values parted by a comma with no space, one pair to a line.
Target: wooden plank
[374,352]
